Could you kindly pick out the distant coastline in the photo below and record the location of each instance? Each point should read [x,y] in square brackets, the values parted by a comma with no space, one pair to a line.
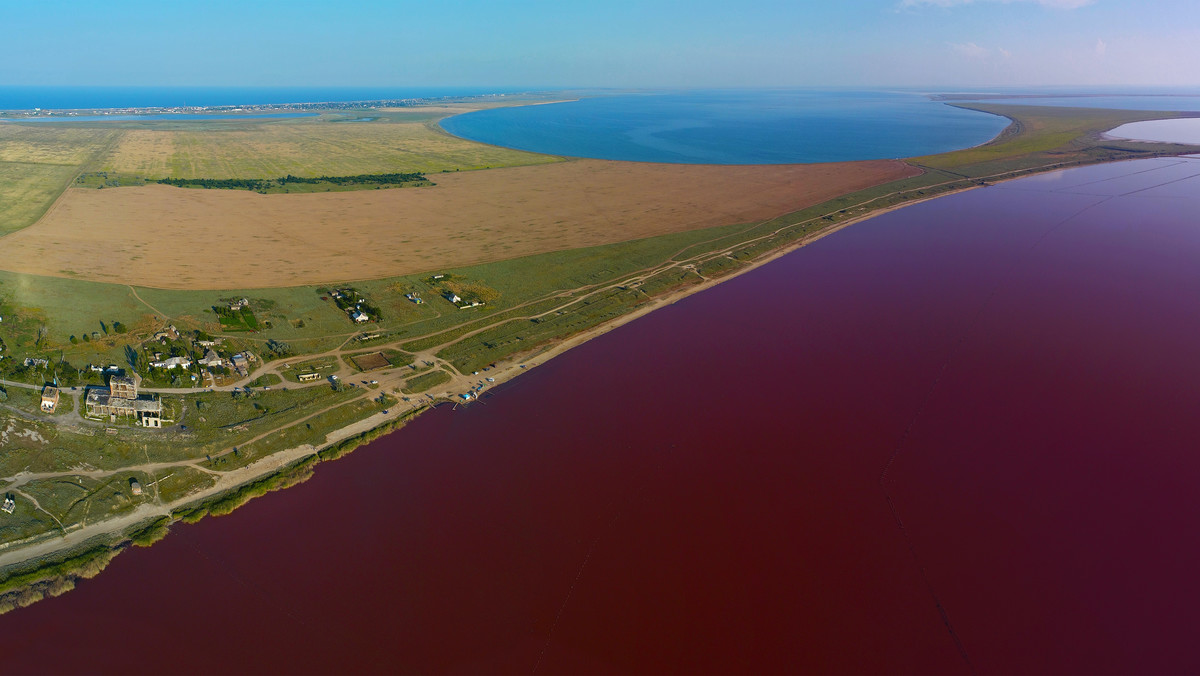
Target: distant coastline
[27,102]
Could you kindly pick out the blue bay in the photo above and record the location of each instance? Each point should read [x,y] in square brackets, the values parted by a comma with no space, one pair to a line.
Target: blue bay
[734,127]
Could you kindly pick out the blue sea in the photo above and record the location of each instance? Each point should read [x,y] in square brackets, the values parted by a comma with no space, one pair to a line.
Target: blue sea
[735,127]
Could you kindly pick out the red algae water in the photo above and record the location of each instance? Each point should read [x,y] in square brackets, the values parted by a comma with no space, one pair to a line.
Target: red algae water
[957,437]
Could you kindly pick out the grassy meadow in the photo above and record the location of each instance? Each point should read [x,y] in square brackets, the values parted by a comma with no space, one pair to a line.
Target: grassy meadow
[309,147]
[37,163]
[39,160]
[1043,135]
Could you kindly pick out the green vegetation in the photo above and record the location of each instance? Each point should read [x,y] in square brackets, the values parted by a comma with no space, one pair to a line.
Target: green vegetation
[1043,135]
[37,164]
[419,384]
[298,184]
[324,366]
[312,432]
[27,190]
[179,482]
[224,503]
[54,575]
[233,321]
[105,179]
[268,380]
[83,500]
[308,147]
[40,160]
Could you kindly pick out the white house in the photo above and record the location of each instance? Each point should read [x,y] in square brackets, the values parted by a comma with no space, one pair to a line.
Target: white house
[359,316]
[172,363]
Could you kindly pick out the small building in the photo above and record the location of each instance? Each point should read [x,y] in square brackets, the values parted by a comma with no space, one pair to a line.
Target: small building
[212,359]
[49,399]
[9,505]
[308,377]
[170,333]
[240,363]
[359,316]
[172,363]
[453,297]
[134,486]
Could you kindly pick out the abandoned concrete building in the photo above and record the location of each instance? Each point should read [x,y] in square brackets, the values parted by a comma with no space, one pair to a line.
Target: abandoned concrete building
[49,399]
[120,400]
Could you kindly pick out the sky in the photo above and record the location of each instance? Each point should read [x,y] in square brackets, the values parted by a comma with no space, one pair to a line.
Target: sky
[610,43]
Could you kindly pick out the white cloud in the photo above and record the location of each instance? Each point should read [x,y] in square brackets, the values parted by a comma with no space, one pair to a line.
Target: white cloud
[1101,47]
[1053,4]
[1004,52]
[970,50]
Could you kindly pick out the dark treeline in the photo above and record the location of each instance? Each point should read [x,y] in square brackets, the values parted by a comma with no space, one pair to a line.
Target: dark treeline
[268,184]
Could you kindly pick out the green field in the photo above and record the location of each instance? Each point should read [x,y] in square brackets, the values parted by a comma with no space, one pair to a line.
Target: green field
[27,190]
[423,382]
[37,164]
[234,321]
[1043,135]
[38,160]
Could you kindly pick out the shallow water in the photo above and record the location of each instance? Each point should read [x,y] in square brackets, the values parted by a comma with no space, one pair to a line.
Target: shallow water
[735,127]
[1185,130]
[957,436]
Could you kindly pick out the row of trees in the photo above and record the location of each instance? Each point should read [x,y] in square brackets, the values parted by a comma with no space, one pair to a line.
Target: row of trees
[267,184]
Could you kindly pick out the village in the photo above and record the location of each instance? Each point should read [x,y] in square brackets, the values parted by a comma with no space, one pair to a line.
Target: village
[169,359]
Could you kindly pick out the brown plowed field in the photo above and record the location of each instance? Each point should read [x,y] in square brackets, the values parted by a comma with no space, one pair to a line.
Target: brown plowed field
[168,237]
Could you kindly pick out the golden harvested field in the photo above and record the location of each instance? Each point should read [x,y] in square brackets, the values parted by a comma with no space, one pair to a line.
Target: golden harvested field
[52,144]
[303,148]
[39,160]
[166,237]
